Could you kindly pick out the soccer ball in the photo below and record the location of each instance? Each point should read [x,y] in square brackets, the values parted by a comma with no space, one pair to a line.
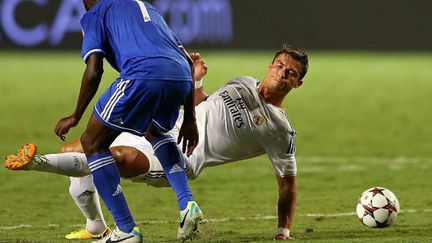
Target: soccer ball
[377,207]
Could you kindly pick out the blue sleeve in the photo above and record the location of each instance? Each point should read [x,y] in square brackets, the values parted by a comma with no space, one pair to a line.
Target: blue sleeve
[93,35]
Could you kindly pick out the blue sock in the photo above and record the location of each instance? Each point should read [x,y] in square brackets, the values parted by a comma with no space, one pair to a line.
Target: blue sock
[107,180]
[166,150]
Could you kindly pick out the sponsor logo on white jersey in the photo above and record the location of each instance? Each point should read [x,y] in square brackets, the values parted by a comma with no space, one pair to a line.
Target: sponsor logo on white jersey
[234,106]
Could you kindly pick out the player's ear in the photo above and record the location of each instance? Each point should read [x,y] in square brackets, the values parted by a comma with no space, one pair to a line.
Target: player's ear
[299,83]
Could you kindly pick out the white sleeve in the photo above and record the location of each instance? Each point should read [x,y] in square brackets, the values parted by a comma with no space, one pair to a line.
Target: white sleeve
[281,152]
[246,80]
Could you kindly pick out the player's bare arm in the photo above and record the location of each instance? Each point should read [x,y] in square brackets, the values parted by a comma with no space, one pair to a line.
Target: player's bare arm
[89,85]
[189,131]
[200,67]
[286,206]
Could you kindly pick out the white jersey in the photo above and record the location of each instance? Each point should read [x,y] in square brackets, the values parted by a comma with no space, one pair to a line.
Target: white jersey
[235,123]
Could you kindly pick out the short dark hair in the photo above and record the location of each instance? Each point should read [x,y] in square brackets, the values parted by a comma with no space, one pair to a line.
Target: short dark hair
[297,54]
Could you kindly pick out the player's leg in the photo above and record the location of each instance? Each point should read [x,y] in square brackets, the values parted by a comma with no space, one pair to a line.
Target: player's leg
[96,141]
[115,111]
[165,148]
[131,162]
[170,97]
[85,196]
[84,193]
[69,164]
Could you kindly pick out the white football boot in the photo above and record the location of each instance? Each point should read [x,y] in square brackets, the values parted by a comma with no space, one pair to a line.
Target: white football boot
[119,236]
[190,217]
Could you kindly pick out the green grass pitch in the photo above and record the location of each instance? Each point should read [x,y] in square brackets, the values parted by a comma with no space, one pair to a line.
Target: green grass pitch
[363,120]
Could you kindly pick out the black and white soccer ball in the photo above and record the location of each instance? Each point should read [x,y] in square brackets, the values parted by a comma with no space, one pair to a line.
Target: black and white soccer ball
[377,207]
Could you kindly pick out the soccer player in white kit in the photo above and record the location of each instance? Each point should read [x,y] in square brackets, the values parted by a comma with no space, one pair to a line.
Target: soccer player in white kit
[243,119]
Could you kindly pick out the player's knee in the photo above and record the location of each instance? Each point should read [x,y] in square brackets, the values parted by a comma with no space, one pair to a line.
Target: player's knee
[88,144]
[72,147]
[130,161]
[66,148]
[85,141]
[121,158]
[118,155]
[148,136]
[93,144]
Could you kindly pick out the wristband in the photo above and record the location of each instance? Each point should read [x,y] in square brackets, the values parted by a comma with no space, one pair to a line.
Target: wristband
[198,84]
[283,231]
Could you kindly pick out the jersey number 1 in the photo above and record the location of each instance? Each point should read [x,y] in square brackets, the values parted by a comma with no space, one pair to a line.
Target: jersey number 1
[144,11]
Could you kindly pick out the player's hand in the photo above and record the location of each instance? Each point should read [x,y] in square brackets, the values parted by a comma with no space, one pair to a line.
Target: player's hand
[283,237]
[63,126]
[189,133]
[200,66]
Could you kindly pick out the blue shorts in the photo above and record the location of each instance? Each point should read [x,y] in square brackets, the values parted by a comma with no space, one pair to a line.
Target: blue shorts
[130,105]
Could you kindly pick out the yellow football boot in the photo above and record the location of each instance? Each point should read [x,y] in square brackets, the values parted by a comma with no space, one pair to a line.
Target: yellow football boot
[83,234]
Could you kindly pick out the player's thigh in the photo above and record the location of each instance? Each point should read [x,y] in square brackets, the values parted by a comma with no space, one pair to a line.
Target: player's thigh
[169,103]
[132,154]
[97,137]
[130,161]
[74,146]
[130,105]
[127,105]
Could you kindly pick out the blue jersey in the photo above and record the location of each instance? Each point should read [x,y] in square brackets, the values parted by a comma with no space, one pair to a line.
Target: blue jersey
[135,40]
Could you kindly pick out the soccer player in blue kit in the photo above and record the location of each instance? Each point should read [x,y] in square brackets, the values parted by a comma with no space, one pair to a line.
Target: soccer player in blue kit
[155,80]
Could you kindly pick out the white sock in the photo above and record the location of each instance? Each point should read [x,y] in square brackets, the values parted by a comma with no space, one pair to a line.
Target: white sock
[83,192]
[69,164]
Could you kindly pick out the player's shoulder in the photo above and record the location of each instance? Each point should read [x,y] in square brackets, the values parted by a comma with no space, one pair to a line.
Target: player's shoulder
[101,7]
[245,80]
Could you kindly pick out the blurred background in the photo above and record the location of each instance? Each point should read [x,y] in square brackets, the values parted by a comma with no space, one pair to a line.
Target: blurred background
[235,24]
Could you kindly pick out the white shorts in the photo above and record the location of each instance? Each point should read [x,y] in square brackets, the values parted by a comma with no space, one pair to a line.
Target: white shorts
[155,176]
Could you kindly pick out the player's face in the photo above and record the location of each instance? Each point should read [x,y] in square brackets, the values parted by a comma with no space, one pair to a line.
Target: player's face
[283,74]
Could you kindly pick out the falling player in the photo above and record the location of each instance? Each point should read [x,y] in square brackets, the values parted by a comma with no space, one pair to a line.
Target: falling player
[243,119]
